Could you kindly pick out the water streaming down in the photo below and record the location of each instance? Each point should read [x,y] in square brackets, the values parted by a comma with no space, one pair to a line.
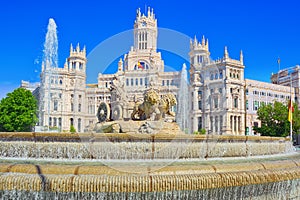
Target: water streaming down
[183,105]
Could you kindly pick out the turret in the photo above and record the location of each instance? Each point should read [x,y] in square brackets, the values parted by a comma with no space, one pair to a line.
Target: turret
[199,52]
[77,59]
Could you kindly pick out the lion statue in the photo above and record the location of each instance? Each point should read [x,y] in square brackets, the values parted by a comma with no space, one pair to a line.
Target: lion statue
[165,104]
[154,107]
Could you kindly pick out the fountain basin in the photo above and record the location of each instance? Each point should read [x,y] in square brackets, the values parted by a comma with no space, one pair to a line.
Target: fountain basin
[139,166]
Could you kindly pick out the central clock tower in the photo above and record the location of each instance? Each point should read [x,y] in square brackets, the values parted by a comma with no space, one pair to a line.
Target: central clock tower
[143,55]
[145,31]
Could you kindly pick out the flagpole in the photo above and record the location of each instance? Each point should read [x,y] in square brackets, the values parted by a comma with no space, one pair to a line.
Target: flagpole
[291,110]
[278,62]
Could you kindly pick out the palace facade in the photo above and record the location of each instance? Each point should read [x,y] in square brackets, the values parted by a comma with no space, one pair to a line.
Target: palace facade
[221,100]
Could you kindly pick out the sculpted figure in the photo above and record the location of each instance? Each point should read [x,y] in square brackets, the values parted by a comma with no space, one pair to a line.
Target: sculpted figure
[154,107]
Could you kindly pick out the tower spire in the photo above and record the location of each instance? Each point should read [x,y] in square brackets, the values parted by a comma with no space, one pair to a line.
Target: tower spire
[71,48]
[241,57]
[226,52]
[203,41]
[206,45]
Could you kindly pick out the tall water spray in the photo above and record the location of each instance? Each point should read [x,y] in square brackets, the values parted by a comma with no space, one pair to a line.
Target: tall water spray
[50,58]
[183,102]
[50,61]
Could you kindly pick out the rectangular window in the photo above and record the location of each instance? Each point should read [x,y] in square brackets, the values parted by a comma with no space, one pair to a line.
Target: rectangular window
[216,103]
[216,124]
[127,82]
[211,124]
[136,81]
[199,93]
[247,105]
[72,107]
[132,82]
[79,107]
[199,123]
[55,106]
[235,102]
[200,105]
[220,90]
[141,81]
[59,122]
[255,105]
[221,123]
[54,121]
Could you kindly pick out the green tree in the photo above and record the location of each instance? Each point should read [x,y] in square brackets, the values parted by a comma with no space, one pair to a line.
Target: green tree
[18,111]
[296,119]
[274,120]
[72,129]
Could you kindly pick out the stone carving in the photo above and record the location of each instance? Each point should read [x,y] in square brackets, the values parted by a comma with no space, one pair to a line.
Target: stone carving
[154,107]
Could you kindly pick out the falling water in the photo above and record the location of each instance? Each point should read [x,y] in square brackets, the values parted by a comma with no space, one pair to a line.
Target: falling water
[183,102]
[50,58]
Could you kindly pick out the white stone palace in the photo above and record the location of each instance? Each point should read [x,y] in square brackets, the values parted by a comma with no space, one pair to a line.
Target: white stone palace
[221,101]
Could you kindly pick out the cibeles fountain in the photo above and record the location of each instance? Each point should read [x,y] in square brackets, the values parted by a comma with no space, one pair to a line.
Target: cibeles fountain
[138,151]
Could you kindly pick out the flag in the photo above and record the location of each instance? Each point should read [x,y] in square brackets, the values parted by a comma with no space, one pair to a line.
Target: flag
[140,65]
[278,60]
[291,110]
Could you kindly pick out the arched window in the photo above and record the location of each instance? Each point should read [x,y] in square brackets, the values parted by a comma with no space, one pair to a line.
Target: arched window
[216,76]
[221,75]
[211,76]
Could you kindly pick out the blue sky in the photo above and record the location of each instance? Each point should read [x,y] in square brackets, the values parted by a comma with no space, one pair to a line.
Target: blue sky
[264,30]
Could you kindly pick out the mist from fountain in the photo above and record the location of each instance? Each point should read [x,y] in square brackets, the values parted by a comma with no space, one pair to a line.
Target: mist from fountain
[183,102]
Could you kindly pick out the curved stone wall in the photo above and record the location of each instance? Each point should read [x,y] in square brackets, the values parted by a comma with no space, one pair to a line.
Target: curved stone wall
[137,146]
[268,179]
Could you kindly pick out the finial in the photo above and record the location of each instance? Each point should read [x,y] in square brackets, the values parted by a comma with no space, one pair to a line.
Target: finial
[195,41]
[138,12]
[120,65]
[203,40]
[152,12]
[78,47]
[66,63]
[206,45]
[71,48]
[149,12]
[225,52]
[241,57]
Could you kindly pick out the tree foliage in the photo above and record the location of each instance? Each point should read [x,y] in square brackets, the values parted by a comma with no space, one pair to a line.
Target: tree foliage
[274,120]
[18,111]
